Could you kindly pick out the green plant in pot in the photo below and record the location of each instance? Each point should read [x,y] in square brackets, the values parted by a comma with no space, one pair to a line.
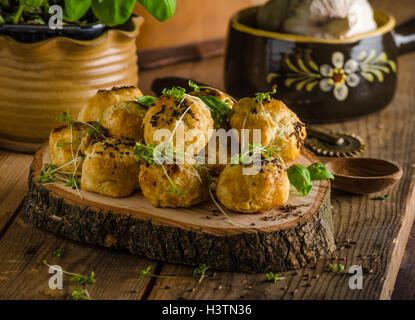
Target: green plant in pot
[45,71]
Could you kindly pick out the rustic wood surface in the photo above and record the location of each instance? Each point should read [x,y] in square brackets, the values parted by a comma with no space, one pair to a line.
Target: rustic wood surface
[388,134]
[276,240]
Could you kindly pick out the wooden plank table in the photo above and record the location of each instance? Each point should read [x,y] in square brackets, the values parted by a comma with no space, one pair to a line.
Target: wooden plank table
[369,233]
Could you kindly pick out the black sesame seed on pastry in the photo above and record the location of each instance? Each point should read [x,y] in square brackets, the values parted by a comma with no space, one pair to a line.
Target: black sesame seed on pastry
[189,114]
[253,193]
[125,120]
[190,185]
[280,127]
[110,168]
[68,142]
[106,98]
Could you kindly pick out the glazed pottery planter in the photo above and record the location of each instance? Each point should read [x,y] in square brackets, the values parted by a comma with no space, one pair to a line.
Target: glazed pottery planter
[322,80]
[40,80]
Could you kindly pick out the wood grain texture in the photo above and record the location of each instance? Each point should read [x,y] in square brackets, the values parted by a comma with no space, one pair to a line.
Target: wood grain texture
[278,239]
[13,176]
[23,276]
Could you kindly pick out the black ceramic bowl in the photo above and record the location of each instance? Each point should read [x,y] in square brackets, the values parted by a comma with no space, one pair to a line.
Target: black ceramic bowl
[321,80]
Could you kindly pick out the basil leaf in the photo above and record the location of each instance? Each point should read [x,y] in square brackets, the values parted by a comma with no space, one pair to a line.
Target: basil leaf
[219,109]
[160,9]
[299,177]
[146,101]
[318,171]
[113,12]
[76,9]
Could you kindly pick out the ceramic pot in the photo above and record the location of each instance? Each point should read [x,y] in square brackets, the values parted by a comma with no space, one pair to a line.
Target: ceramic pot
[38,81]
[321,80]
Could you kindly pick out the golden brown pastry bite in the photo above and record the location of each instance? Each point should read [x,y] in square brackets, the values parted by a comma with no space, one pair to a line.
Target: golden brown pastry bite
[280,127]
[253,193]
[125,120]
[174,185]
[110,168]
[176,114]
[106,98]
[68,142]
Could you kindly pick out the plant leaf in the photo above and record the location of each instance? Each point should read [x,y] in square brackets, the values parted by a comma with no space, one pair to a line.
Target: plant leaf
[162,10]
[318,171]
[76,9]
[299,177]
[113,12]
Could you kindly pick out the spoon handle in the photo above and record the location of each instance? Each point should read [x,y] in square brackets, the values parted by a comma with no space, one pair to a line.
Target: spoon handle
[327,137]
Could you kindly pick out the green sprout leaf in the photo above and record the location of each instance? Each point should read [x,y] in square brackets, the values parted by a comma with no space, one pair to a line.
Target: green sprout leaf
[66,118]
[193,85]
[80,294]
[384,197]
[318,171]
[146,101]
[177,92]
[274,277]
[58,253]
[47,175]
[220,110]
[299,177]
[200,272]
[261,96]
[335,268]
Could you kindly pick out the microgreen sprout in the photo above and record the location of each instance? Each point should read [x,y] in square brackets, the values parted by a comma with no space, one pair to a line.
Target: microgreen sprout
[200,272]
[79,279]
[47,174]
[73,182]
[61,143]
[147,273]
[193,85]
[384,197]
[146,101]
[261,96]
[335,268]
[274,277]
[177,92]
[58,252]
[66,118]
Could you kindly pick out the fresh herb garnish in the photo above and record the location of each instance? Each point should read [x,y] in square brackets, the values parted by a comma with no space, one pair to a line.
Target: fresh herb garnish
[384,197]
[47,174]
[335,268]
[318,171]
[80,294]
[61,143]
[95,129]
[220,110]
[177,92]
[193,85]
[58,253]
[300,176]
[200,272]
[147,273]
[73,182]
[252,150]
[67,119]
[76,278]
[146,101]
[261,96]
[274,277]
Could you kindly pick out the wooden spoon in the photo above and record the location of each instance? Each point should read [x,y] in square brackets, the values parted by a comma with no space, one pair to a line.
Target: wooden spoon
[364,175]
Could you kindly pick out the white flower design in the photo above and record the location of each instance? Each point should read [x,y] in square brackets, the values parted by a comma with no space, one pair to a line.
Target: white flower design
[339,78]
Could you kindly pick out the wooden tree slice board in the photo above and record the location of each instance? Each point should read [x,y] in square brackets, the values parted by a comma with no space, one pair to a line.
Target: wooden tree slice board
[283,238]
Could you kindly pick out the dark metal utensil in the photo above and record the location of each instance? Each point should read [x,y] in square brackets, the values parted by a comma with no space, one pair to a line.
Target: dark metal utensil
[334,144]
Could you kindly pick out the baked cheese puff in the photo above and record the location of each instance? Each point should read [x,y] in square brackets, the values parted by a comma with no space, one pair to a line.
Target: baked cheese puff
[174,185]
[186,122]
[110,168]
[280,127]
[68,142]
[253,193]
[125,120]
[104,99]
